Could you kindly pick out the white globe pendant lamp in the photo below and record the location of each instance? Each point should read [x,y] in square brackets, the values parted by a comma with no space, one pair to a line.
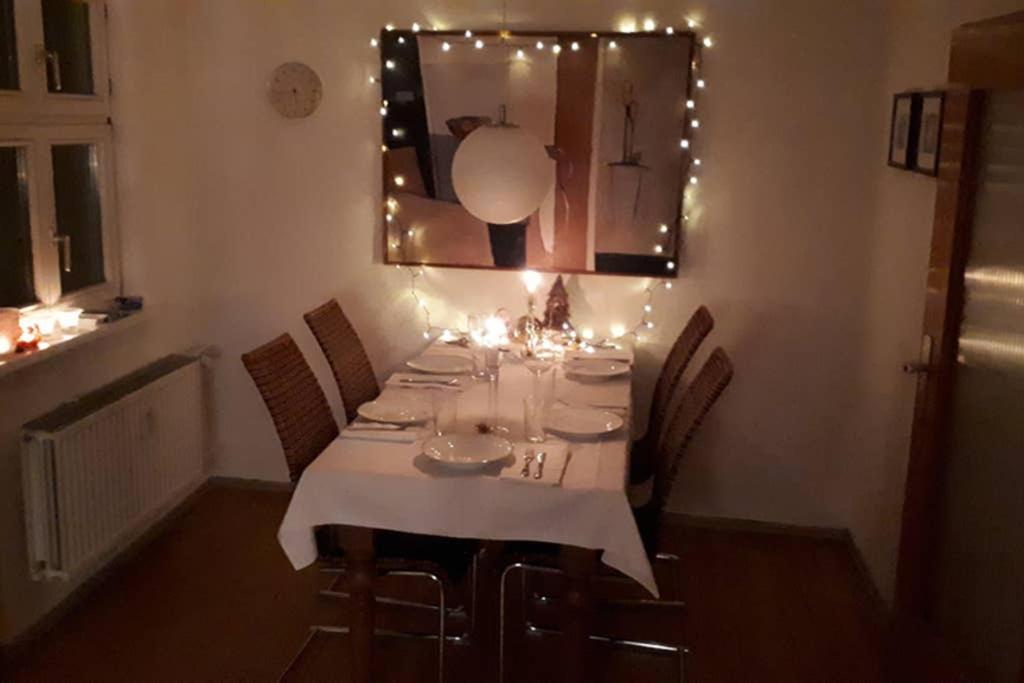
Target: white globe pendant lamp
[501,173]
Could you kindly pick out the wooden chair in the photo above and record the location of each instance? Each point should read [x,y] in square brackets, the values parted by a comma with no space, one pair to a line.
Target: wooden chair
[345,354]
[688,412]
[305,427]
[678,359]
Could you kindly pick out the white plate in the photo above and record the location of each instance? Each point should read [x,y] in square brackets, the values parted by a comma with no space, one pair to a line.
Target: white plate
[583,421]
[467,451]
[441,365]
[597,368]
[395,412]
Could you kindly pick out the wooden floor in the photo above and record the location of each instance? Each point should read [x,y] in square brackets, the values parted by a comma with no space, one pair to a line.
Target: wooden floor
[214,599]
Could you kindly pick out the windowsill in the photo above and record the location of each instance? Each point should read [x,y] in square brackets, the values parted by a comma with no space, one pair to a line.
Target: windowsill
[11,363]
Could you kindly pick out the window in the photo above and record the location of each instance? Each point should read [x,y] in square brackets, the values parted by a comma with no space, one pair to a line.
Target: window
[57,235]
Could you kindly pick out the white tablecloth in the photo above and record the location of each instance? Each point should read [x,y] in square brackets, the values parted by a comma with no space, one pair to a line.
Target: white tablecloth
[393,486]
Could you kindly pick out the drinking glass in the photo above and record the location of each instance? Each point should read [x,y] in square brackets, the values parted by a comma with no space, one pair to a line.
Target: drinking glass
[533,418]
[445,405]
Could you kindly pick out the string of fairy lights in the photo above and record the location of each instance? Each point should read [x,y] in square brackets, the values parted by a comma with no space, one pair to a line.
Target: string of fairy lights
[665,236]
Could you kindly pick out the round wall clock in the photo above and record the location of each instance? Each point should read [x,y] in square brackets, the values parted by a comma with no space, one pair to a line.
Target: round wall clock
[295,90]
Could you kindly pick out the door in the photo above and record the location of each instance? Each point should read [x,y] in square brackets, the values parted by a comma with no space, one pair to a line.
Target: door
[960,580]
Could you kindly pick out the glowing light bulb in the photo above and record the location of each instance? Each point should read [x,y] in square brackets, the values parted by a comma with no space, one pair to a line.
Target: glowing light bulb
[575,47]
[446,46]
[540,45]
[410,232]
[401,40]
[398,132]
[693,180]
[650,24]
[415,27]
[520,54]
[671,265]
[700,83]
[648,308]
[708,42]
[426,335]
[649,325]
[658,248]
[663,229]
[389,27]
[587,333]
[593,35]
[400,180]
[668,285]
[383,111]
[690,23]
[469,34]
[618,329]
[373,42]
[392,203]
[532,280]
[556,48]
[684,143]
[696,162]
[690,104]
[695,124]
[390,64]
[479,44]
[669,30]
[384,148]
[612,45]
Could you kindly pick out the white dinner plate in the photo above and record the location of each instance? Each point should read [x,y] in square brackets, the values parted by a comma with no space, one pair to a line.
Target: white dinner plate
[441,365]
[597,368]
[583,421]
[467,451]
[395,412]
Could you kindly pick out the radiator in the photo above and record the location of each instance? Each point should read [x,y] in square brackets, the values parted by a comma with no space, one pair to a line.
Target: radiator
[99,470]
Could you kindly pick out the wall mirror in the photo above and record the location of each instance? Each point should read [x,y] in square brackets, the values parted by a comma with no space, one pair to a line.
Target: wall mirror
[549,151]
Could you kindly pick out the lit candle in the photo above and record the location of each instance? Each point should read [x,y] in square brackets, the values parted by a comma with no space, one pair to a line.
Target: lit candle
[532,280]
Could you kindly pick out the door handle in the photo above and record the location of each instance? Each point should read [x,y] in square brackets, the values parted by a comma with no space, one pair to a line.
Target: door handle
[917,368]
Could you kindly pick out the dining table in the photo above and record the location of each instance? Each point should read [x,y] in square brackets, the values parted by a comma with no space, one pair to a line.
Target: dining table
[369,479]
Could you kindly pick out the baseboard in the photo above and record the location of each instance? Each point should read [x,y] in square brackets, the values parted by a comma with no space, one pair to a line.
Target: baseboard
[882,609]
[251,484]
[753,526]
[26,638]
[880,606]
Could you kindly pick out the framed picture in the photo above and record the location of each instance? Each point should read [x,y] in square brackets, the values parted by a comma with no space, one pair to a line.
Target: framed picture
[903,131]
[929,133]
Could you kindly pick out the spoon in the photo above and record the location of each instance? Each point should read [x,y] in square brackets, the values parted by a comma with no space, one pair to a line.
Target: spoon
[527,459]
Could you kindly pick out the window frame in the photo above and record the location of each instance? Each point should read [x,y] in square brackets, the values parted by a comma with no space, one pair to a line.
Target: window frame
[36,119]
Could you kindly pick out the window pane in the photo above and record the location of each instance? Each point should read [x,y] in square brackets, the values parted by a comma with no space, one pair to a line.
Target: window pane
[68,52]
[16,286]
[8,47]
[77,193]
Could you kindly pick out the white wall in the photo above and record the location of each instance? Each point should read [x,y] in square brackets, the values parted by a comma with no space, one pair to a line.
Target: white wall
[235,221]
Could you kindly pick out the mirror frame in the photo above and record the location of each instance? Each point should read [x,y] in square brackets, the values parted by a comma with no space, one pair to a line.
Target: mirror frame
[567,37]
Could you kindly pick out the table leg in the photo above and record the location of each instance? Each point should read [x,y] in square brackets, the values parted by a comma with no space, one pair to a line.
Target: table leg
[579,565]
[361,571]
[485,624]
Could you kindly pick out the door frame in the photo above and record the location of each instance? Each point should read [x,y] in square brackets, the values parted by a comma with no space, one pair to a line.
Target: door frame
[984,55]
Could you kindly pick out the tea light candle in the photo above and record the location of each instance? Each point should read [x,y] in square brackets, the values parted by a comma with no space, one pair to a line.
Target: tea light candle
[10,329]
[68,319]
[44,321]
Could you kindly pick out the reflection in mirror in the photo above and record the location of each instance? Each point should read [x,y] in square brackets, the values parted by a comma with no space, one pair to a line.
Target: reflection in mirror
[550,152]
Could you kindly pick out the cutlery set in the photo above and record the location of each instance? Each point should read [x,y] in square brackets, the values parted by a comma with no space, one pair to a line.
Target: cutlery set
[529,458]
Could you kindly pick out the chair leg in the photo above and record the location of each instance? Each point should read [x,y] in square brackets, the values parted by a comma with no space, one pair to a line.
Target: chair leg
[645,645]
[441,609]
